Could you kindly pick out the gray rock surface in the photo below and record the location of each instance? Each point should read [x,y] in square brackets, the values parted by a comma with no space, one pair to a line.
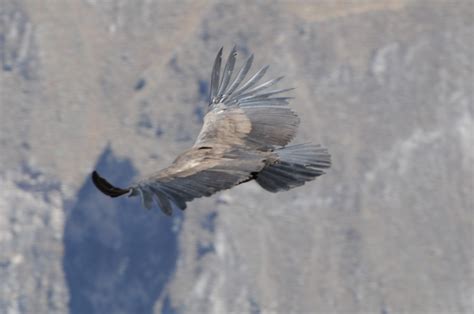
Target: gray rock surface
[121,86]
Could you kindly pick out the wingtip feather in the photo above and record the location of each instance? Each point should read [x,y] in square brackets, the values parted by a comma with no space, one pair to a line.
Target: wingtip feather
[106,187]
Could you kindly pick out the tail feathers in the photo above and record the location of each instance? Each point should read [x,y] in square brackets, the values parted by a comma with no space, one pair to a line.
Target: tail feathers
[298,164]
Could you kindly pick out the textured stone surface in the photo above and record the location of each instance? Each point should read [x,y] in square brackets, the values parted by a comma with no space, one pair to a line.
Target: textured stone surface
[121,85]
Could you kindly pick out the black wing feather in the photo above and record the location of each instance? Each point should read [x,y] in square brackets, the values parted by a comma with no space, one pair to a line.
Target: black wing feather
[106,187]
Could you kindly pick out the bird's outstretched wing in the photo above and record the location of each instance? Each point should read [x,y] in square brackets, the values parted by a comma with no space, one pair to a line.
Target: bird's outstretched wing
[197,173]
[244,114]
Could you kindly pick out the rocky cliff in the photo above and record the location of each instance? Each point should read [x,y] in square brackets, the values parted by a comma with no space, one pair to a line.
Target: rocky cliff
[121,86]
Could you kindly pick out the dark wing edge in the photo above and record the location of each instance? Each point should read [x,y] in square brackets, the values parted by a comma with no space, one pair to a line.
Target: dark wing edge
[216,69]
[230,92]
[106,187]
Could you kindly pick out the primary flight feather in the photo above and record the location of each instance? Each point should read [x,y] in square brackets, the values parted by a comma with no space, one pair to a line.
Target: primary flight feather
[244,137]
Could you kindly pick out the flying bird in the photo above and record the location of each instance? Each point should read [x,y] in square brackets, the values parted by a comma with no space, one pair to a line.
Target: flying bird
[244,137]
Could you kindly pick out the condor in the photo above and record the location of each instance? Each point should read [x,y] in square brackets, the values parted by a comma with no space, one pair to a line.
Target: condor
[244,137]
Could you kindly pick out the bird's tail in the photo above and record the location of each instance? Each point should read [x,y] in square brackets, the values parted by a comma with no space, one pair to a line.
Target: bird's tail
[298,164]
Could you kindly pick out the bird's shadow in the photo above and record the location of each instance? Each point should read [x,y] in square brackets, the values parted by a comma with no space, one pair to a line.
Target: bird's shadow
[118,257]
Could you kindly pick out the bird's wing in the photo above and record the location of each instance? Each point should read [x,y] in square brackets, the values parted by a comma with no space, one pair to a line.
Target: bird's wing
[245,114]
[197,173]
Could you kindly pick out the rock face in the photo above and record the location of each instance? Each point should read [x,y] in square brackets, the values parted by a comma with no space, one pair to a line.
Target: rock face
[121,86]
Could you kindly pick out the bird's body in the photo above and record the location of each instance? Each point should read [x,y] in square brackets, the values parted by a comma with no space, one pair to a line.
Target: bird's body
[244,137]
